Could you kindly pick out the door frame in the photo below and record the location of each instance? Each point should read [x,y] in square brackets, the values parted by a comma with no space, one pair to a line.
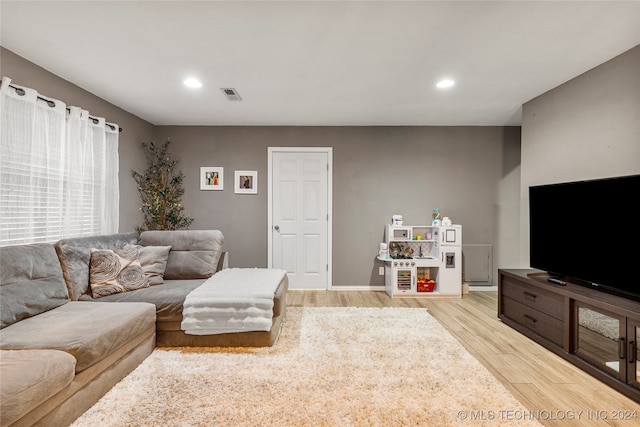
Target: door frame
[329,150]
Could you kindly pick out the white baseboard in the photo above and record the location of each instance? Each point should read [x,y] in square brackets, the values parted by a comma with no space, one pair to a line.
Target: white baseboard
[381,288]
[357,288]
[483,288]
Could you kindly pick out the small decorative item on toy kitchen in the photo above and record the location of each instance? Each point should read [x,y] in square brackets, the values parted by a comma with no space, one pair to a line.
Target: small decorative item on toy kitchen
[436,217]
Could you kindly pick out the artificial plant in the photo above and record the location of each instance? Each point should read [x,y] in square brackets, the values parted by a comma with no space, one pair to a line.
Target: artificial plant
[161,190]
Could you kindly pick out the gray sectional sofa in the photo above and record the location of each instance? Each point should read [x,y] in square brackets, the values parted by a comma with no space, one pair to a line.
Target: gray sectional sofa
[61,349]
[57,356]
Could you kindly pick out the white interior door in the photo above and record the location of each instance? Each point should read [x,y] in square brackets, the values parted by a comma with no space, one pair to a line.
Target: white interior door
[299,223]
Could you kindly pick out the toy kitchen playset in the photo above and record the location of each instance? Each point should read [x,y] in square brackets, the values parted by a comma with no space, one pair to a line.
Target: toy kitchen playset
[423,260]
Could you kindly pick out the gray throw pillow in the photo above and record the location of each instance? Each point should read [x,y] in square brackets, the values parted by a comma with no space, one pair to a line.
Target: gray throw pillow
[153,260]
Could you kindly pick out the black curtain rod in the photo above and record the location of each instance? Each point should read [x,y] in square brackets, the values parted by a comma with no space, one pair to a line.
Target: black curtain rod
[52,104]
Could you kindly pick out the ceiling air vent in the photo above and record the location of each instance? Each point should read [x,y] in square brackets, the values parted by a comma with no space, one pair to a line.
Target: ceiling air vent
[231,93]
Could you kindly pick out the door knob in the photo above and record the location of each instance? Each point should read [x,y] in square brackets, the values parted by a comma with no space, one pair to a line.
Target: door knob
[277,227]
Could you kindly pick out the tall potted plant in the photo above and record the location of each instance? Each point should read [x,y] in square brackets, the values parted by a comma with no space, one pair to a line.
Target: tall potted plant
[161,190]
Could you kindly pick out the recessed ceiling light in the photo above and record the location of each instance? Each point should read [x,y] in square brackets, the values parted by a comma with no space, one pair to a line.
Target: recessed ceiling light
[192,82]
[445,83]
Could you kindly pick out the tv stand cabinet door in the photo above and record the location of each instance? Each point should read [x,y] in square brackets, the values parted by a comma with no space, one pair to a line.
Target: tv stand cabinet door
[599,339]
[633,352]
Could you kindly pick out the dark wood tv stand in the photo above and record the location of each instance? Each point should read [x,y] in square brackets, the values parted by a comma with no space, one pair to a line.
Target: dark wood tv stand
[596,331]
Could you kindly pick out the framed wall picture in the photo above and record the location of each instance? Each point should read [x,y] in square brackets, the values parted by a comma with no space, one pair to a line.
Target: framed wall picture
[211,178]
[246,182]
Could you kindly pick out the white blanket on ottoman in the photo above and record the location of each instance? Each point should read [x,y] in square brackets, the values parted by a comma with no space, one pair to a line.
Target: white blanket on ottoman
[232,300]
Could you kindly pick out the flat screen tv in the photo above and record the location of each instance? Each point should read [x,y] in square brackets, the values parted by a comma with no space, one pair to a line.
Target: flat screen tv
[588,233]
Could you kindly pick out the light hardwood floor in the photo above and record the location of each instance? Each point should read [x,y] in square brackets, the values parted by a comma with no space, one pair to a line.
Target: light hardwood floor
[551,388]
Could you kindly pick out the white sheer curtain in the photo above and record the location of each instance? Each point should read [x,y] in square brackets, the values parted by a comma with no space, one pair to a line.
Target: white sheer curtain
[58,169]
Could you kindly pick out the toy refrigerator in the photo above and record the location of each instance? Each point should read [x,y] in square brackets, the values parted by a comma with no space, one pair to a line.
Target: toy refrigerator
[450,246]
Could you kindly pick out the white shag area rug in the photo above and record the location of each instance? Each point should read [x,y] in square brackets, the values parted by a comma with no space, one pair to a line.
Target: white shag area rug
[330,367]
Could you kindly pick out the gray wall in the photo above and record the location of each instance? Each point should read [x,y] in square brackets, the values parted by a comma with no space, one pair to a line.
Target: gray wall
[378,171]
[134,129]
[587,128]
[471,173]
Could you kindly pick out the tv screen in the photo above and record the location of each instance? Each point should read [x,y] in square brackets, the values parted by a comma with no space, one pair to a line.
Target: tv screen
[588,232]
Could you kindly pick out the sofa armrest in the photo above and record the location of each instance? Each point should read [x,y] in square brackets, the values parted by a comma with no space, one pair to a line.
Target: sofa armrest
[223,262]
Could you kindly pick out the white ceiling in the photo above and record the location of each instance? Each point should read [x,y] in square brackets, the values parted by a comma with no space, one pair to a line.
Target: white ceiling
[323,62]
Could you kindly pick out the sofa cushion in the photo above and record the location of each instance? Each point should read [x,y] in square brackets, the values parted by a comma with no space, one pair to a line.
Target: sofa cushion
[31,282]
[75,253]
[194,253]
[30,377]
[153,260]
[115,271]
[89,331]
[168,298]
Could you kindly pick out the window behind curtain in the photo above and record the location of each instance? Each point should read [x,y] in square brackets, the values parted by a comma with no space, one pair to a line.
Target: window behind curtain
[58,170]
